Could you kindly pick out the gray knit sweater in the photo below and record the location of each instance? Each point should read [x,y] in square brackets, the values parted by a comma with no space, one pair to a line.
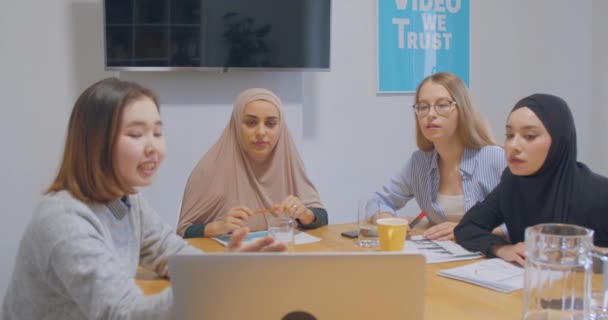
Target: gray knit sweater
[78,261]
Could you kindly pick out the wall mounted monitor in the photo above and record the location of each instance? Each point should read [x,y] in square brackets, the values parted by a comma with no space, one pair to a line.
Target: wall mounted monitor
[217,34]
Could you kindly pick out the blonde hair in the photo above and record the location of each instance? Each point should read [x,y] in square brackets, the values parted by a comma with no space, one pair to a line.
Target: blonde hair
[472,128]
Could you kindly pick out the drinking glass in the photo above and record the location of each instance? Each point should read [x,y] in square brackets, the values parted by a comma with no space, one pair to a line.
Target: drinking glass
[281,228]
[557,277]
[598,296]
[368,231]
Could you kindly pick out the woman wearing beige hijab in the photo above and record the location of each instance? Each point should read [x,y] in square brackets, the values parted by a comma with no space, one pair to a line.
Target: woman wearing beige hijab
[253,167]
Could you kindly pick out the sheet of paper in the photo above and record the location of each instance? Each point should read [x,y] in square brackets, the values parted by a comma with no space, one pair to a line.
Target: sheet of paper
[303,238]
[299,238]
[437,251]
[495,274]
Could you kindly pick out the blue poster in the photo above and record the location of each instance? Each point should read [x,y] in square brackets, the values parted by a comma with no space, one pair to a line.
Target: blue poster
[417,38]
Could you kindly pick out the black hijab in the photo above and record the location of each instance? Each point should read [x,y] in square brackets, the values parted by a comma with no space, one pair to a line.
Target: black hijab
[562,190]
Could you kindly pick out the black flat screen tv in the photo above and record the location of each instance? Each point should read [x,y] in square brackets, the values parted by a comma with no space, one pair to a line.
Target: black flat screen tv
[217,34]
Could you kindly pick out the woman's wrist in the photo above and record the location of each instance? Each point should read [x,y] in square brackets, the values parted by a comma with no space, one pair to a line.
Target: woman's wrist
[495,249]
[210,230]
[308,218]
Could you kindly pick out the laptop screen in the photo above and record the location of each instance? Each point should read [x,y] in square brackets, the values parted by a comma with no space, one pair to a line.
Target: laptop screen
[295,286]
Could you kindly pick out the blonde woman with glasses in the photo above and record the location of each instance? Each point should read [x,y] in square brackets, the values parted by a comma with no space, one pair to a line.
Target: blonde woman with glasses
[457,164]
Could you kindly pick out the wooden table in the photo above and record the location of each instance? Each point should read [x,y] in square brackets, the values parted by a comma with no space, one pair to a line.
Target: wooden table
[444,298]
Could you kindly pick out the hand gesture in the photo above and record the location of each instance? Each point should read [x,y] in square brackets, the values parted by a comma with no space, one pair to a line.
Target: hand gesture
[234,219]
[266,244]
[293,207]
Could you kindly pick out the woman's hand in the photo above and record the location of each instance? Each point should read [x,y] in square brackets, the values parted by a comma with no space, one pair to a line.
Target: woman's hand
[510,252]
[442,231]
[234,219]
[293,207]
[266,244]
[381,215]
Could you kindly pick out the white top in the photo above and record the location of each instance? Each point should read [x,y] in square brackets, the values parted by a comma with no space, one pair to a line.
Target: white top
[451,205]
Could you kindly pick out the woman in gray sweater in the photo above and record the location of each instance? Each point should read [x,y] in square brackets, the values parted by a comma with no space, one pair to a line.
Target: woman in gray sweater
[90,232]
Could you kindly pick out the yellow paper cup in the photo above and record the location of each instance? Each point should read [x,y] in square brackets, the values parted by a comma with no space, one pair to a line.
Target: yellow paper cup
[392,232]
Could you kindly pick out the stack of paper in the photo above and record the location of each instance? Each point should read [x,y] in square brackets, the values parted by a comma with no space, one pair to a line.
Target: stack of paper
[495,274]
[436,251]
[299,237]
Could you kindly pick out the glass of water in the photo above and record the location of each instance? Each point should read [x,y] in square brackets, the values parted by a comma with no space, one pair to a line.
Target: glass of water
[368,231]
[557,277]
[281,228]
[598,300]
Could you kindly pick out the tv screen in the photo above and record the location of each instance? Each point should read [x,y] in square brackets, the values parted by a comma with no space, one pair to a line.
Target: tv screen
[222,34]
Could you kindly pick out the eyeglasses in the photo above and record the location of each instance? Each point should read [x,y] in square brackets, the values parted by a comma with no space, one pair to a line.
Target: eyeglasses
[442,108]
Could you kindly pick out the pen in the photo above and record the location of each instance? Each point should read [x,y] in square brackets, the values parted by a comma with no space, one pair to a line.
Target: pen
[420,216]
[271,210]
[470,255]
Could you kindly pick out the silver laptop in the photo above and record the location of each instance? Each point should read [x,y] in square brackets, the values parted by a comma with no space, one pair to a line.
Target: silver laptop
[298,286]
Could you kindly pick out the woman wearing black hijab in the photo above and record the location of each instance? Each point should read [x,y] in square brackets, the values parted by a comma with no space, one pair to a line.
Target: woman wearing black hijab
[543,183]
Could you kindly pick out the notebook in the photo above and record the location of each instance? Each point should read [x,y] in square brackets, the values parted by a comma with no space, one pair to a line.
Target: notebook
[495,274]
[291,286]
[438,251]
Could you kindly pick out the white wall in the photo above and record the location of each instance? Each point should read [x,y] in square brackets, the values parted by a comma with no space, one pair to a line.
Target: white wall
[599,161]
[354,139]
[544,46]
[49,52]
[351,139]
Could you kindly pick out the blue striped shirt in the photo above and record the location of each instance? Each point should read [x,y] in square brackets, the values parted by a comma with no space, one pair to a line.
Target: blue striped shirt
[480,171]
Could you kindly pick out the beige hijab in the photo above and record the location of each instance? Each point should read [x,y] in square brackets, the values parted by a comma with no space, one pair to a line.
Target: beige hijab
[226,178]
